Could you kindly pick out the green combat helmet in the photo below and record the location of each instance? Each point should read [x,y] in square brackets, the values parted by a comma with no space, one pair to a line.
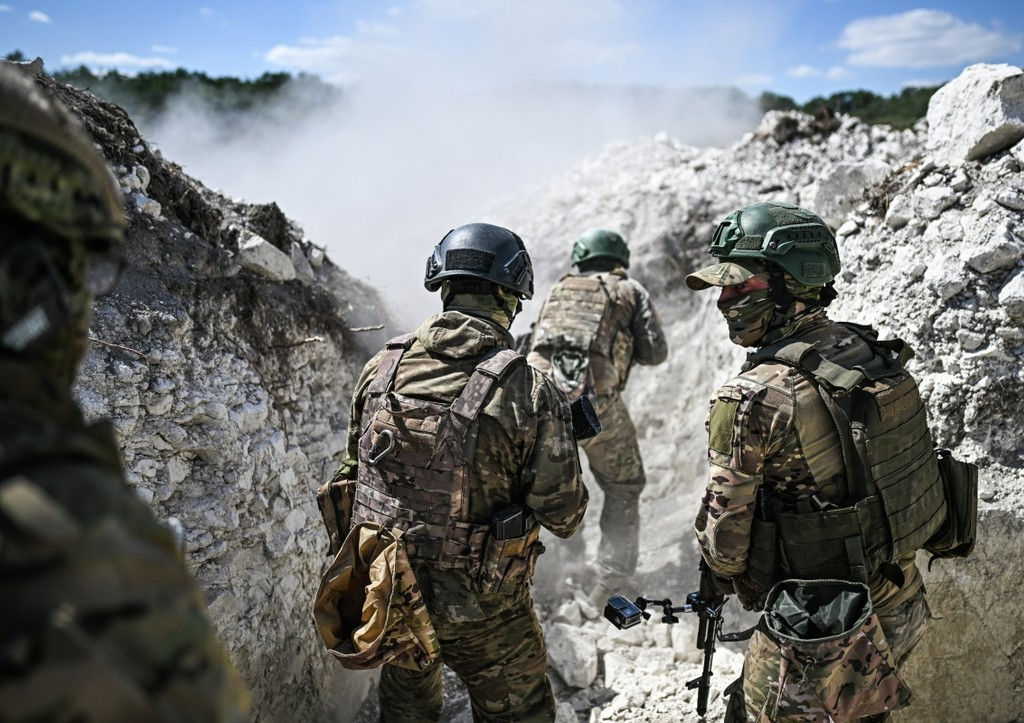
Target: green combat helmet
[788,236]
[600,243]
[61,227]
[481,251]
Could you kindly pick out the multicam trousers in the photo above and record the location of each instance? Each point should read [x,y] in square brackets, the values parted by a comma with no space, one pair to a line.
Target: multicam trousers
[502,660]
[903,626]
[614,458]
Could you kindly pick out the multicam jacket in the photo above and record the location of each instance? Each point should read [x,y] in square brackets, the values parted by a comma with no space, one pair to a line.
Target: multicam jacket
[101,619]
[525,450]
[768,427]
[605,315]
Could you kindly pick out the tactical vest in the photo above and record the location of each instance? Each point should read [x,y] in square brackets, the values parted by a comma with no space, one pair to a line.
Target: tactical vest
[589,349]
[890,501]
[416,462]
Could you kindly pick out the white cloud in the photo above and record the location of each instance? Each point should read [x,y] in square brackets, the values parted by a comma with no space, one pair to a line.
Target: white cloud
[314,55]
[114,61]
[39,17]
[804,71]
[5,8]
[922,39]
[163,49]
[839,72]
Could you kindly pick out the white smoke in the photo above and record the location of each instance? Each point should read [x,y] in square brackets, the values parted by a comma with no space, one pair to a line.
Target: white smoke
[435,127]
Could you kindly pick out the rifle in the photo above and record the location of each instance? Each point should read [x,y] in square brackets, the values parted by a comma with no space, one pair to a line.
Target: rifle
[706,603]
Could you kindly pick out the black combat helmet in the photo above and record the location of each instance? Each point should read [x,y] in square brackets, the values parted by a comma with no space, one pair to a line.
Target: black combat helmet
[481,251]
[61,227]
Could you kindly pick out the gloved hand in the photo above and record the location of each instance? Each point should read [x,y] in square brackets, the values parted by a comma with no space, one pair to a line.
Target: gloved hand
[751,595]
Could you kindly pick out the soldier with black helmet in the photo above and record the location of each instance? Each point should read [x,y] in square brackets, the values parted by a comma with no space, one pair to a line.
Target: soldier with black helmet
[459,444]
[101,620]
[791,502]
[593,327]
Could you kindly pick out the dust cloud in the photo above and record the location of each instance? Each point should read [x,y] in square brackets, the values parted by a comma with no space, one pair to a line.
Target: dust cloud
[378,175]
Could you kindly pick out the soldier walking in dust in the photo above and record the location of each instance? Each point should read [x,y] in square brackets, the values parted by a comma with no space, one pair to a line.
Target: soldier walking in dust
[451,430]
[594,326]
[787,496]
[101,621]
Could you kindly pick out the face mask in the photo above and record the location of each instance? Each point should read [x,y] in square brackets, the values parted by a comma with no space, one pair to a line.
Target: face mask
[501,310]
[748,316]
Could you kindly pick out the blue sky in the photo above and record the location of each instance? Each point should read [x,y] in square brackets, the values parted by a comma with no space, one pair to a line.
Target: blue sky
[799,48]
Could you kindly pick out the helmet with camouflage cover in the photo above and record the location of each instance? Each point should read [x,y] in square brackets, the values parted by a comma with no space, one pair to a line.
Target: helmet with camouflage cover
[481,251]
[773,233]
[61,227]
[600,243]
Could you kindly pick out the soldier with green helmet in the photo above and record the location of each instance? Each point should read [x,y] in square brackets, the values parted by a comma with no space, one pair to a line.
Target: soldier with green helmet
[459,444]
[593,327]
[781,469]
[101,621]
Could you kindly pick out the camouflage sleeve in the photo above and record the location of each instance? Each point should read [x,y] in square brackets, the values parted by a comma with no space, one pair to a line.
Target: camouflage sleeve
[110,623]
[551,475]
[742,432]
[350,465]
[649,344]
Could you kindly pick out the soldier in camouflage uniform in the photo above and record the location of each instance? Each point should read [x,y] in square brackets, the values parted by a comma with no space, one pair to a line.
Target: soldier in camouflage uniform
[594,326]
[773,446]
[101,620]
[508,442]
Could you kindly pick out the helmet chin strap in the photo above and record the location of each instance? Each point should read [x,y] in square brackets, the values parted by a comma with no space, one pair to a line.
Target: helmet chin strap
[780,295]
[783,298]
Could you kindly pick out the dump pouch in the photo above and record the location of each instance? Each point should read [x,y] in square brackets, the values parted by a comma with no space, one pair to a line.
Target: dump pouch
[831,646]
[955,538]
[335,499]
[368,608]
[508,564]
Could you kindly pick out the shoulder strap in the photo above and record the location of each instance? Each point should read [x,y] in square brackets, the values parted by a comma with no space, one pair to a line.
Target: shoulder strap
[804,356]
[385,376]
[828,378]
[490,369]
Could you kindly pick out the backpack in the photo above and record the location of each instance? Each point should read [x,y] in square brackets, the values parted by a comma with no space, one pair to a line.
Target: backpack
[901,494]
[578,340]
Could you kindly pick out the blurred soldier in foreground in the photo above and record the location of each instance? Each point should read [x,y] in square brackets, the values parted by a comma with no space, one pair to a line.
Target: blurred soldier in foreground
[594,326]
[455,440]
[796,493]
[101,621]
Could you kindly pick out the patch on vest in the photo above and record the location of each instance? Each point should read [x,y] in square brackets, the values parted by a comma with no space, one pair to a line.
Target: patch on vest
[722,424]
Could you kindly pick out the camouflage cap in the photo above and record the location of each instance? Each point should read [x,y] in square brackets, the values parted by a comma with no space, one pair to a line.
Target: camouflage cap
[726,273]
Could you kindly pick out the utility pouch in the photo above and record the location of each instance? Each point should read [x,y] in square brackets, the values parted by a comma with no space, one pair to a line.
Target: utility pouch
[335,499]
[509,563]
[955,538]
[763,562]
[831,646]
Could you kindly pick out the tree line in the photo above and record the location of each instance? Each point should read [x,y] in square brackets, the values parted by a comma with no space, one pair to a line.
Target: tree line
[147,94]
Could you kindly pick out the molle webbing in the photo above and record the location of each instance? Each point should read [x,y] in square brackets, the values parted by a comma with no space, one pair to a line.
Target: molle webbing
[892,502]
[576,310]
[416,461]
